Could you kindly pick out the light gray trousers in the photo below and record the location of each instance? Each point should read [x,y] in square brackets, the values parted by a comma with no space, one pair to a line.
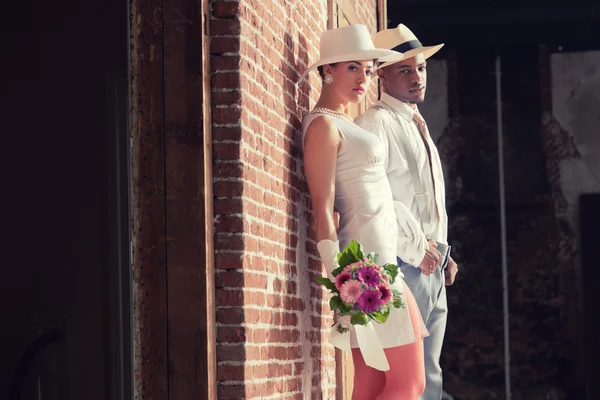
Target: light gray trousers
[430,294]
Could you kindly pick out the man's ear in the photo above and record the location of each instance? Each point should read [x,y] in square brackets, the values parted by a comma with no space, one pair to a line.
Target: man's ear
[381,75]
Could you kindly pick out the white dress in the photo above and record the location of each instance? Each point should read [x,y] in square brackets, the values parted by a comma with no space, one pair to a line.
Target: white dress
[363,199]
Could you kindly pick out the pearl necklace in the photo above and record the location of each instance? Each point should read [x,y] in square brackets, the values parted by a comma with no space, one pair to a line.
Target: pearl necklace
[322,110]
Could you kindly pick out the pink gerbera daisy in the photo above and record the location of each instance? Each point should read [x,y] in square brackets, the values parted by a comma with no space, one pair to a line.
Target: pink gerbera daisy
[341,279]
[370,301]
[351,291]
[386,293]
[350,267]
[368,276]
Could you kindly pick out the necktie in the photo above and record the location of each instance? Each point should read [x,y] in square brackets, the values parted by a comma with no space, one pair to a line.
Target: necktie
[422,126]
[421,123]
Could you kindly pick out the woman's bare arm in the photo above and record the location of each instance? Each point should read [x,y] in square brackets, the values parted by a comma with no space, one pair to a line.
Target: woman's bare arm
[321,144]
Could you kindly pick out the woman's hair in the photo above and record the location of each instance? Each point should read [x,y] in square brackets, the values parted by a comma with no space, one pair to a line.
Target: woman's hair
[320,69]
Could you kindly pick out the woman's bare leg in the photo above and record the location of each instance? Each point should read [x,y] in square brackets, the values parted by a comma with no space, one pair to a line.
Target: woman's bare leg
[368,382]
[406,378]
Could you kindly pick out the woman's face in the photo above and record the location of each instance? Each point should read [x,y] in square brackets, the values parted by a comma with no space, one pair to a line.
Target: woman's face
[351,79]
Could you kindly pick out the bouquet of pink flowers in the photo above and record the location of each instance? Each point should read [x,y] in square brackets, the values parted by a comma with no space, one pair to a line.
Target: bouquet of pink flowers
[362,288]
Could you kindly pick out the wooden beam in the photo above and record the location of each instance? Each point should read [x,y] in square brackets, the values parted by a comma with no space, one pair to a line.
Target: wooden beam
[188,273]
[148,201]
[210,342]
[382,21]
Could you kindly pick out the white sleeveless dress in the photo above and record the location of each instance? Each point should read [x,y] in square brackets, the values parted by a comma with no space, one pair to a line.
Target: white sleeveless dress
[363,199]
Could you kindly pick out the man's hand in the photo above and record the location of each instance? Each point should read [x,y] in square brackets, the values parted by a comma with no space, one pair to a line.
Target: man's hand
[431,260]
[450,272]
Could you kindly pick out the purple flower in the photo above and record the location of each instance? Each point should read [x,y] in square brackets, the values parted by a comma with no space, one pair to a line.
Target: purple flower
[368,276]
[370,301]
[350,292]
[341,279]
[386,293]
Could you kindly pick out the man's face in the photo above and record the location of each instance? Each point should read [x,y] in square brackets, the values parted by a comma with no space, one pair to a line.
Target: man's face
[406,80]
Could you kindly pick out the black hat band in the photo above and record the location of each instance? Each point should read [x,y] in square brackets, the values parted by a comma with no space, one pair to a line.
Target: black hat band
[406,46]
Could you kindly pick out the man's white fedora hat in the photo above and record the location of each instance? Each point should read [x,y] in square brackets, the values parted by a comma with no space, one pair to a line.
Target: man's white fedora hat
[403,40]
[350,43]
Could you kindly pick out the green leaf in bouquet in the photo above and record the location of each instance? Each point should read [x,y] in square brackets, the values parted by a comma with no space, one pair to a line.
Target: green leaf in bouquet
[382,316]
[351,254]
[359,318]
[337,271]
[335,303]
[373,257]
[397,300]
[327,283]
[392,271]
[345,308]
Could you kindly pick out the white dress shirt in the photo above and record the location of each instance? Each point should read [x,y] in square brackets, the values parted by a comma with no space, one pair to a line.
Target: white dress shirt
[412,240]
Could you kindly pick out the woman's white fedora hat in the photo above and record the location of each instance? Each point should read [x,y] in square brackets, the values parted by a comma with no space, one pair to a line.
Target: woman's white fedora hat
[403,40]
[350,43]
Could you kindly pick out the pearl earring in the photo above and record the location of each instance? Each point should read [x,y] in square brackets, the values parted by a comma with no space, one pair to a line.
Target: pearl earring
[328,79]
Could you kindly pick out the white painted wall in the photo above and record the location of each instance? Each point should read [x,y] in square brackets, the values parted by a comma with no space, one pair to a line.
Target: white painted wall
[576,106]
[435,106]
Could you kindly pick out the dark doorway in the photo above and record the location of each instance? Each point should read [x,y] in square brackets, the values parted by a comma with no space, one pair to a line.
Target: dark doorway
[589,217]
[67,305]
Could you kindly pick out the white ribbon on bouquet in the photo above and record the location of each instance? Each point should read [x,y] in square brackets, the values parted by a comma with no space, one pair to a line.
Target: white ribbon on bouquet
[368,342]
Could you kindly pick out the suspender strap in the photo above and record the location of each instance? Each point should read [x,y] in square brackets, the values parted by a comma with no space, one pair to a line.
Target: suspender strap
[420,195]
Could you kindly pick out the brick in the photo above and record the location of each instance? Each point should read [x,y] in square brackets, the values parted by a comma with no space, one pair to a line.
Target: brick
[279,370]
[259,336]
[229,242]
[225,9]
[255,281]
[224,27]
[229,279]
[257,372]
[294,385]
[252,316]
[226,98]
[229,297]
[230,373]
[231,353]
[290,319]
[225,80]
[231,392]
[226,115]
[230,316]
[228,189]
[228,261]
[227,133]
[253,353]
[255,298]
[224,63]
[220,45]
[231,334]
[227,170]
[229,223]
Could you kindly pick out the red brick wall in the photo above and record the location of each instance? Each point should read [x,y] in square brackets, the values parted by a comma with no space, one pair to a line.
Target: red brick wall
[272,321]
